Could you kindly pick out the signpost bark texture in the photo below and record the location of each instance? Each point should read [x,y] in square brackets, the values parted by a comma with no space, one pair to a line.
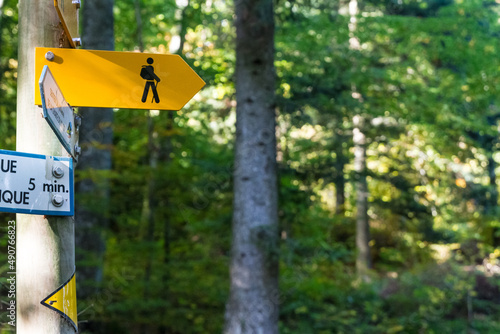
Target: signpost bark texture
[45,245]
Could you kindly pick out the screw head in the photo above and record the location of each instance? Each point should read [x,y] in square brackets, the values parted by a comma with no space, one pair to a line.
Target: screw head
[57,171]
[57,200]
[50,56]
[78,150]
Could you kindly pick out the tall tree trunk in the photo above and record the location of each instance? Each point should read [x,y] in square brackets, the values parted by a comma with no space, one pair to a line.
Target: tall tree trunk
[96,138]
[177,44]
[2,2]
[491,208]
[492,202]
[138,18]
[159,153]
[150,203]
[339,178]
[363,260]
[165,150]
[253,302]
[45,256]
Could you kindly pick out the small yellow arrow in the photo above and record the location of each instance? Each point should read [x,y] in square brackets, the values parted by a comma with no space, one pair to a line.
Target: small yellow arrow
[63,301]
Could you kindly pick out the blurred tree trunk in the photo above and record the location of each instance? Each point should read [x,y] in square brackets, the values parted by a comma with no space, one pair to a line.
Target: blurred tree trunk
[493,200]
[492,206]
[138,19]
[166,148]
[2,2]
[363,259]
[253,302]
[149,202]
[177,44]
[339,177]
[489,199]
[96,135]
[159,152]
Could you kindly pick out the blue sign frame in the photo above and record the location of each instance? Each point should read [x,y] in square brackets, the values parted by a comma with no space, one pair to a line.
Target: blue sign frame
[47,212]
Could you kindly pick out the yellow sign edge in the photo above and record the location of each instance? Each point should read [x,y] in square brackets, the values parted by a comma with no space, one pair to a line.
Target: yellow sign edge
[65,26]
[64,315]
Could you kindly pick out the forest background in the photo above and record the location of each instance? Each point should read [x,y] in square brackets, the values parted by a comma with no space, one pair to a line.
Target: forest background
[420,90]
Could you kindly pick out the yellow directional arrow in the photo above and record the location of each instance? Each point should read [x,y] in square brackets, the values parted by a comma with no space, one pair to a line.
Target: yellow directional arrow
[110,79]
[63,301]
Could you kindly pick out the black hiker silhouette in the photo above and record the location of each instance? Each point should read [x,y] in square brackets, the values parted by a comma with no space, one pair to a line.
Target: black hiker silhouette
[148,74]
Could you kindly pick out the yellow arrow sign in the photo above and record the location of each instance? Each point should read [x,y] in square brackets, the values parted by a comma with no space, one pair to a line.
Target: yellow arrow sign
[109,79]
[63,301]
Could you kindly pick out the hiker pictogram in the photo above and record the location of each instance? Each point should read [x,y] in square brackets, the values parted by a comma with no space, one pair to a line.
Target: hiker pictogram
[152,80]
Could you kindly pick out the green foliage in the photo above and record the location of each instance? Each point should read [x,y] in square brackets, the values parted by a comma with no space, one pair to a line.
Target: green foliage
[8,78]
[427,73]
[8,73]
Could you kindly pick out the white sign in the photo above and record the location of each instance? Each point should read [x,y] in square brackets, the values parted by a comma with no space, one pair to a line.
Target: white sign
[36,184]
[58,112]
